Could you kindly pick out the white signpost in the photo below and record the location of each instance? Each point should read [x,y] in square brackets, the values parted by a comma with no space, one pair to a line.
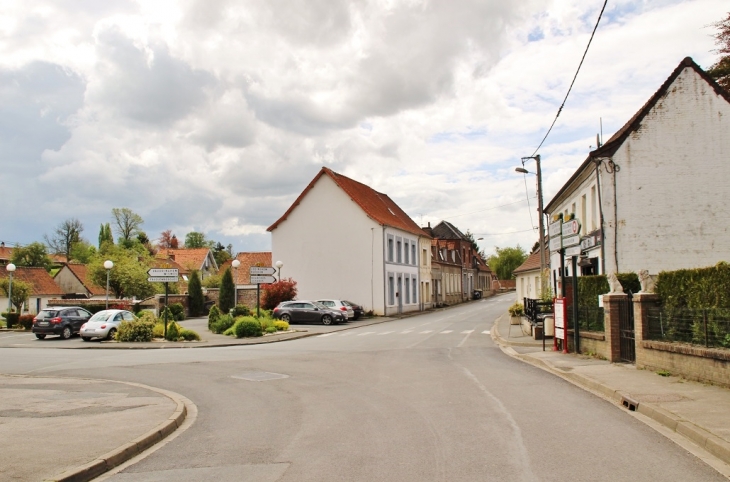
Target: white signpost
[261,275]
[259,279]
[164,275]
[261,270]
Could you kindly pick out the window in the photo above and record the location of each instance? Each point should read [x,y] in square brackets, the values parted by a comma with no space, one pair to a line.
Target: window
[583,213]
[406,253]
[593,208]
[408,292]
[572,208]
[391,290]
[424,258]
[413,254]
[390,248]
[415,287]
[398,250]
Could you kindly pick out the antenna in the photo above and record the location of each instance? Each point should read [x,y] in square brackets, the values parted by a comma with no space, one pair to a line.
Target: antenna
[600,120]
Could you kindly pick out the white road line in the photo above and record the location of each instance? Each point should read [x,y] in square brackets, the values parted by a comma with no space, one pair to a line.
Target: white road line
[366,333]
[326,334]
[406,331]
[346,334]
[426,332]
[446,332]
[486,332]
[386,333]
[466,332]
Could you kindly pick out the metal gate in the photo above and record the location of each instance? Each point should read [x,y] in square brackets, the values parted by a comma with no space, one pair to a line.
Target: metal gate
[627,344]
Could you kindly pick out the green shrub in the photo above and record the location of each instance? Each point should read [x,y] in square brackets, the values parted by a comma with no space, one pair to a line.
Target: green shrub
[178,311]
[173,332]
[241,310]
[266,323]
[188,335]
[223,323]
[247,327]
[11,319]
[213,316]
[135,331]
[516,309]
[147,315]
[159,330]
[591,287]
[281,325]
[271,329]
[26,321]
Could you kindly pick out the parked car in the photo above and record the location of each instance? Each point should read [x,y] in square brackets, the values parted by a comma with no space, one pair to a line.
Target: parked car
[105,324]
[339,305]
[59,320]
[357,309]
[308,312]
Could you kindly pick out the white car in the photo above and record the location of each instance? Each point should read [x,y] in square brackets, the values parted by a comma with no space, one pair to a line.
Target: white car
[341,306]
[105,324]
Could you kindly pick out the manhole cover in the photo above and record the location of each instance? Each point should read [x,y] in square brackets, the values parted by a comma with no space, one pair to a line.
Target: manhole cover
[260,376]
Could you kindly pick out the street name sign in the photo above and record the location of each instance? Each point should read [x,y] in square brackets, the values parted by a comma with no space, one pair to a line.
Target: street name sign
[571,241]
[573,251]
[556,243]
[262,279]
[261,270]
[571,227]
[554,229]
[163,272]
[163,279]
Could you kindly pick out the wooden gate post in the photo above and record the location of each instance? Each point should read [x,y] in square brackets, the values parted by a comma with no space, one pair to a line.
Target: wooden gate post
[611,326]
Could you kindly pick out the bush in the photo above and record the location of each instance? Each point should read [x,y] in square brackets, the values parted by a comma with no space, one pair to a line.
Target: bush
[178,311]
[11,319]
[281,325]
[223,323]
[135,331]
[213,316]
[159,330]
[275,293]
[188,335]
[147,315]
[173,332]
[516,309]
[266,323]
[247,327]
[195,292]
[26,321]
[241,310]
[271,329]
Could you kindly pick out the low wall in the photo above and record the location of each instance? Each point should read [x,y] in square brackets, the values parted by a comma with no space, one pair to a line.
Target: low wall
[689,361]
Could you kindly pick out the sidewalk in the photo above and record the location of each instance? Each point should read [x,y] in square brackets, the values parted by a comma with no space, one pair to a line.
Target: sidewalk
[698,412]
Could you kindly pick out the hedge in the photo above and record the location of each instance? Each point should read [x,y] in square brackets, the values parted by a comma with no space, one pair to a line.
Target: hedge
[695,288]
[135,331]
[590,287]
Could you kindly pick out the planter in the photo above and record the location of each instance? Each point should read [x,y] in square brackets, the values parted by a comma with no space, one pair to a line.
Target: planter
[515,320]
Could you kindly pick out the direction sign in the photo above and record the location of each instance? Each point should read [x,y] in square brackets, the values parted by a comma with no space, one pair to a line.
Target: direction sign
[163,279]
[570,228]
[554,229]
[571,240]
[261,270]
[556,243]
[573,251]
[261,279]
[163,272]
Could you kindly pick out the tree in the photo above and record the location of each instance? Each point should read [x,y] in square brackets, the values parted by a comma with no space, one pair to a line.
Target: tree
[720,71]
[33,255]
[275,293]
[196,240]
[128,277]
[21,291]
[127,223]
[506,261]
[165,241]
[212,281]
[227,295]
[470,237]
[65,236]
[82,252]
[195,291]
[221,254]
[105,235]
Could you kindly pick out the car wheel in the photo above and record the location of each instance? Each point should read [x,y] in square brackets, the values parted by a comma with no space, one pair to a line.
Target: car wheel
[86,338]
[112,332]
[326,320]
[66,333]
[40,336]
[286,318]
[356,317]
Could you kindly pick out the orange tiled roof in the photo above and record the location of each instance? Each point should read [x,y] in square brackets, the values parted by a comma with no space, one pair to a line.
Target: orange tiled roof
[6,253]
[189,259]
[262,258]
[532,263]
[43,284]
[378,206]
[81,271]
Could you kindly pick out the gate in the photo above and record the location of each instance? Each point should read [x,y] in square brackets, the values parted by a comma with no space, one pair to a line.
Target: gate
[627,344]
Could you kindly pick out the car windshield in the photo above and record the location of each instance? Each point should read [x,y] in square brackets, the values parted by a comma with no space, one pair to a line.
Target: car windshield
[46,314]
[319,305]
[101,316]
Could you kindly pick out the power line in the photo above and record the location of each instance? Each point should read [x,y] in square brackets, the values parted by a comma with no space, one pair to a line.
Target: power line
[574,77]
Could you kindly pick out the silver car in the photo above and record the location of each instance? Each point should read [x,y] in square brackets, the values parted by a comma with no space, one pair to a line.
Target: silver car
[105,324]
[341,306]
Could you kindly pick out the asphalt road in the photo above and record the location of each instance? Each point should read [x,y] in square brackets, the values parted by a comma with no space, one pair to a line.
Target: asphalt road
[426,398]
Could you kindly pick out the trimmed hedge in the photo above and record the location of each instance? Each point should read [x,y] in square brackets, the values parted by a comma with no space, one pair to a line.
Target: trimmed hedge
[26,321]
[11,319]
[247,327]
[135,331]
[222,324]
[173,332]
[213,316]
[695,288]
[590,287]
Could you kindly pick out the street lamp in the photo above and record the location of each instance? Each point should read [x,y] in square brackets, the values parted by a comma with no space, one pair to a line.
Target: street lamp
[235,263]
[108,265]
[279,265]
[11,268]
[539,206]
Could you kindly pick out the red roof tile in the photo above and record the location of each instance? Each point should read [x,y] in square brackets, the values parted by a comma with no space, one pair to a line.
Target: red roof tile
[81,271]
[43,284]
[247,260]
[532,263]
[189,259]
[378,206]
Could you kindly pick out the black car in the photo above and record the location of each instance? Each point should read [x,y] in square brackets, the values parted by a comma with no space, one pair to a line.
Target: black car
[359,311]
[308,312]
[59,320]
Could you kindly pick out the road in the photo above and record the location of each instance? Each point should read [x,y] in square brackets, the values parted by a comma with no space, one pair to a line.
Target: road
[425,398]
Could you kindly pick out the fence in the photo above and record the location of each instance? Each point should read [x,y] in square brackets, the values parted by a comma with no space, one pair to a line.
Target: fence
[707,327]
[589,318]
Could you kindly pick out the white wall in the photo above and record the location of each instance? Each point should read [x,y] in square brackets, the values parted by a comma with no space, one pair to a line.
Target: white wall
[406,269]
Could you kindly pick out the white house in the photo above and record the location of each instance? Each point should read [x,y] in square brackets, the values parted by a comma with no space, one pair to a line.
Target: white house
[654,196]
[527,278]
[43,288]
[341,239]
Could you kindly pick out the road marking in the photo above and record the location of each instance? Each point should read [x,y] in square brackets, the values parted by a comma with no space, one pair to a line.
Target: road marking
[366,333]
[346,334]
[466,332]
[427,331]
[446,332]
[486,332]
[326,334]
[406,331]
[386,333]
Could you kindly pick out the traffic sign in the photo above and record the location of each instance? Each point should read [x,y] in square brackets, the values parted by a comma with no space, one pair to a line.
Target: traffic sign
[554,229]
[163,272]
[261,279]
[261,270]
[556,243]
[163,279]
[571,240]
[571,227]
[573,251]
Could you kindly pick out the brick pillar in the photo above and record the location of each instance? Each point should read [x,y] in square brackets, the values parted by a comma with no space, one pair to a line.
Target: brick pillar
[641,323]
[611,324]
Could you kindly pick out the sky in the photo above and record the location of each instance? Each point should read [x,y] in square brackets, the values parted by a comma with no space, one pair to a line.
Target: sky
[214,115]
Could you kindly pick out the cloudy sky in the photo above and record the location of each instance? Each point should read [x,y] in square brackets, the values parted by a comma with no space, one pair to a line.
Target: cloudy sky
[213,115]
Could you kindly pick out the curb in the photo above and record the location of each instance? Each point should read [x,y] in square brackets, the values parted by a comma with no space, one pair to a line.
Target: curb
[711,443]
[118,456]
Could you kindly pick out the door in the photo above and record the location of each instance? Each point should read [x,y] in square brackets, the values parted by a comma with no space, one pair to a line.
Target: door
[627,343]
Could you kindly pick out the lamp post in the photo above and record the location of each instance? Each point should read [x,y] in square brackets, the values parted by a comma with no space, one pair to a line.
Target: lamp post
[235,263]
[279,265]
[108,265]
[11,268]
[539,206]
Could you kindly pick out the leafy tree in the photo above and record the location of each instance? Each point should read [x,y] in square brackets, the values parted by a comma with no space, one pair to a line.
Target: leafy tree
[720,71]
[21,291]
[195,291]
[128,277]
[212,281]
[196,240]
[275,293]
[227,295]
[34,255]
[65,236]
[506,261]
[221,254]
[127,223]
[82,252]
[105,235]
[165,241]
